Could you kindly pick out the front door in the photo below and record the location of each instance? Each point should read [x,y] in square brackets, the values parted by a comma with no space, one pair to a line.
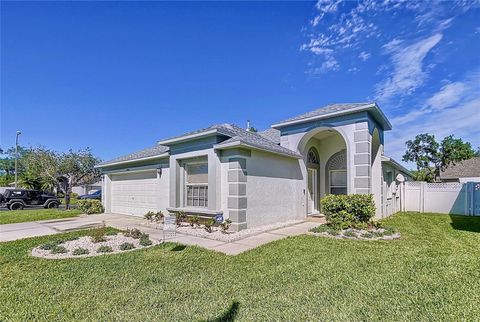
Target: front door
[312,192]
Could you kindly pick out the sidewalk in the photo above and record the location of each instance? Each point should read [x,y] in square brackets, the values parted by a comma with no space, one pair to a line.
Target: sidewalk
[11,232]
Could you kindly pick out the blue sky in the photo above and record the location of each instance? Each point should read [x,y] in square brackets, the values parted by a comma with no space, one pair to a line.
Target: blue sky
[118,76]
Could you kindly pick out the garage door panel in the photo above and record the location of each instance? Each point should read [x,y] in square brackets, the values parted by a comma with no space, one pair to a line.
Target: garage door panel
[135,193]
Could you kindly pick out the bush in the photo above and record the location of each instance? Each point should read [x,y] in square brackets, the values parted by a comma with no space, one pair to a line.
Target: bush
[209,225]
[367,235]
[134,233]
[149,215]
[98,235]
[58,250]
[80,251]
[320,229]
[104,249]
[389,231]
[180,217]
[90,206]
[349,233]
[127,246]
[73,195]
[194,220]
[343,211]
[145,241]
[224,226]
[50,245]
[154,216]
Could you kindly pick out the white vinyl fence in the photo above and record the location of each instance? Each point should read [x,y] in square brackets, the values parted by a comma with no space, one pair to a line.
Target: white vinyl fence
[450,198]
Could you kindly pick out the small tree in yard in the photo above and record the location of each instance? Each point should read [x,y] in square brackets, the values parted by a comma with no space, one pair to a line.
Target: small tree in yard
[61,170]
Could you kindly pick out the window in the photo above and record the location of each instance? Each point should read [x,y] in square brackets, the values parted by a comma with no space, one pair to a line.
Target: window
[338,182]
[197,184]
[312,157]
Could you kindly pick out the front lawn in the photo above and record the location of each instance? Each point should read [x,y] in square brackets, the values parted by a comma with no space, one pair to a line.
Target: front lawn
[431,273]
[16,216]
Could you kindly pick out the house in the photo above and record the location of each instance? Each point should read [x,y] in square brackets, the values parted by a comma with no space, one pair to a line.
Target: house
[463,171]
[258,178]
[87,188]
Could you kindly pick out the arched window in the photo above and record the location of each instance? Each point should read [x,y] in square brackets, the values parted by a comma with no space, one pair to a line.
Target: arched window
[312,157]
[336,173]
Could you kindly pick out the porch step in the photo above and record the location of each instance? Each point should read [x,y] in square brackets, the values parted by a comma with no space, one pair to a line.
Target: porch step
[316,218]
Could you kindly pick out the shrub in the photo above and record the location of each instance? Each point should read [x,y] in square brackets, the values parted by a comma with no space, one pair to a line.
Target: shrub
[90,206]
[377,234]
[80,251]
[73,195]
[224,226]
[194,220]
[180,217]
[72,238]
[209,225]
[158,216]
[145,241]
[149,215]
[154,216]
[343,211]
[367,235]
[58,250]
[333,232]
[389,231]
[98,235]
[377,224]
[127,246]
[134,233]
[50,245]
[104,249]
[349,233]
[362,207]
[320,229]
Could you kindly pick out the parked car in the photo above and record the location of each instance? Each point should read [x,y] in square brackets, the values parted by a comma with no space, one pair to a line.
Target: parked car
[17,199]
[95,195]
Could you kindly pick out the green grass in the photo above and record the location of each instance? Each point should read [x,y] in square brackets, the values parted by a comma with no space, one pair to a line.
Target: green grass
[16,216]
[431,273]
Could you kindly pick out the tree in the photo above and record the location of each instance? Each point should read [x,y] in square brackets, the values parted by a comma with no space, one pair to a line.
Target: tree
[7,165]
[423,150]
[76,168]
[430,156]
[453,150]
[63,171]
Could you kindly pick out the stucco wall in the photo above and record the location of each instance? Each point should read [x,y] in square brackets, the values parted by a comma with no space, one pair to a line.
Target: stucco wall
[275,189]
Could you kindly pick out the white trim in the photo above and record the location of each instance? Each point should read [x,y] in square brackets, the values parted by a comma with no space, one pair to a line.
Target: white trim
[337,113]
[187,137]
[103,165]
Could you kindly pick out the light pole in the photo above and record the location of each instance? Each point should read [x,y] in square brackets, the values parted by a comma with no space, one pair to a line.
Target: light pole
[16,156]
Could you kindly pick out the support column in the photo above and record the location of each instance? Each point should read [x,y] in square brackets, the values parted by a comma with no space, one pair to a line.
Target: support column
[362,158]
[237,192]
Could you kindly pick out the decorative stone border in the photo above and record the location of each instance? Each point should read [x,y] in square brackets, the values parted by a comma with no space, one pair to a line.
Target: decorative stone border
[114,241]
[358,234]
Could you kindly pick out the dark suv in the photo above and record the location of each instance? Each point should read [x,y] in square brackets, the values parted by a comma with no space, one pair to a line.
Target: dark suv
[17,199]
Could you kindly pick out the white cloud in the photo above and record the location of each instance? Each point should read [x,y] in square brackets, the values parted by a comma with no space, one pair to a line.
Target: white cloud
[364,55]
[346,31]
[453,109]
[408,72]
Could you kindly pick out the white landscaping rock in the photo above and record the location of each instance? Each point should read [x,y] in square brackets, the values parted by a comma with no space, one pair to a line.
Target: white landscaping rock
[217,234]
[85,242]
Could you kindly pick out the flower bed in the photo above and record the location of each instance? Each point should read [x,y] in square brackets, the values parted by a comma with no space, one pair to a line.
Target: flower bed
[218,234]
[86,246]
[359,234]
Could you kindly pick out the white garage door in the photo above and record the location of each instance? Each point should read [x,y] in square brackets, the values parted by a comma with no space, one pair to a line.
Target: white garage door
[135,193]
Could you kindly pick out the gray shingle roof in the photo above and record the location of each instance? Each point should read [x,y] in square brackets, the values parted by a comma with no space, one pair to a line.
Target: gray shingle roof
[462,169]
[272,135]
[327,110]
[145,153]
[255,140]
[220,128]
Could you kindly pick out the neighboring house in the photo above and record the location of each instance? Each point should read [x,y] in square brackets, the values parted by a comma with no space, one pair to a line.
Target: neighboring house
[88,188]
[258,178]
[463,171]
